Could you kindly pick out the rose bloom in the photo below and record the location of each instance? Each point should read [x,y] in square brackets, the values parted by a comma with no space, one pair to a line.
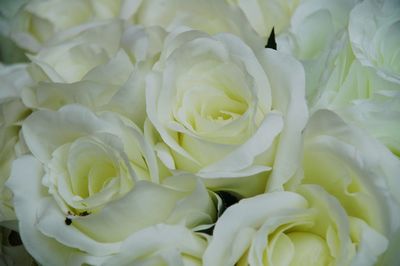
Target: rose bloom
[226,112]
[345,211]
[374,30]
[100,65]
[361,96]
[39,20]
[350,62]
[91,183]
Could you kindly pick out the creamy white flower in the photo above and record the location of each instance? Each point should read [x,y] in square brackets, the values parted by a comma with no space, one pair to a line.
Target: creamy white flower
[91,182]
[337,75]
[282,228]
[39,20]
[374,30]
[100,65]
[82,53]
[265,15]
[345,212]
[210,16]
[12,112]
[224,111]
[359,94]
[358,171]
[285,228]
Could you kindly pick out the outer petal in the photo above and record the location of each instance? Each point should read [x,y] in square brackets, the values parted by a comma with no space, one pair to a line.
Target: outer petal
[209,16]
[379,116]
[140,208]
[265,15]
[243,157]
[13,79]
[44,131]
[56,95]
[314,26]
[286,76]
[39,21]
[371,243]
[12,111]
[166,244]
[27,198]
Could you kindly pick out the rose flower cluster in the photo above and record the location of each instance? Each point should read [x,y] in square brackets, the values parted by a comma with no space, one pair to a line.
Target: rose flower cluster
[200,132]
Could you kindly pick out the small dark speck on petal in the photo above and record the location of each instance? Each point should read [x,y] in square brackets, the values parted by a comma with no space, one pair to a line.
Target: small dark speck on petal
[68,221]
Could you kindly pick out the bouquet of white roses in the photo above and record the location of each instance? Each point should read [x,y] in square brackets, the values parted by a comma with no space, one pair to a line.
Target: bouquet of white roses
[200,132]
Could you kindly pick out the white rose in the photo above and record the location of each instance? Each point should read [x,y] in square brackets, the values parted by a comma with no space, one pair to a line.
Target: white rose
[357,170]
[345,212]
[225,112]
[39,20]
[12,112]
[83,53]
[211,16]
[374,30]
[309,227]
[100,65]
[337,75]
[91,182]
[358,94]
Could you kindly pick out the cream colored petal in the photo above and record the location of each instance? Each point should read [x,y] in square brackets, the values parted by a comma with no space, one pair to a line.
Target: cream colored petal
[44,131]
[166,242]
[286,77]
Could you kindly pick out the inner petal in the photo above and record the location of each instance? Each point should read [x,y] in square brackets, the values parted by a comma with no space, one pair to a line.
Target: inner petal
[224,76]
[78,61]
[309,250]
[208,103]
[283,251]
[211,83]
[99,175]
[87,160]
